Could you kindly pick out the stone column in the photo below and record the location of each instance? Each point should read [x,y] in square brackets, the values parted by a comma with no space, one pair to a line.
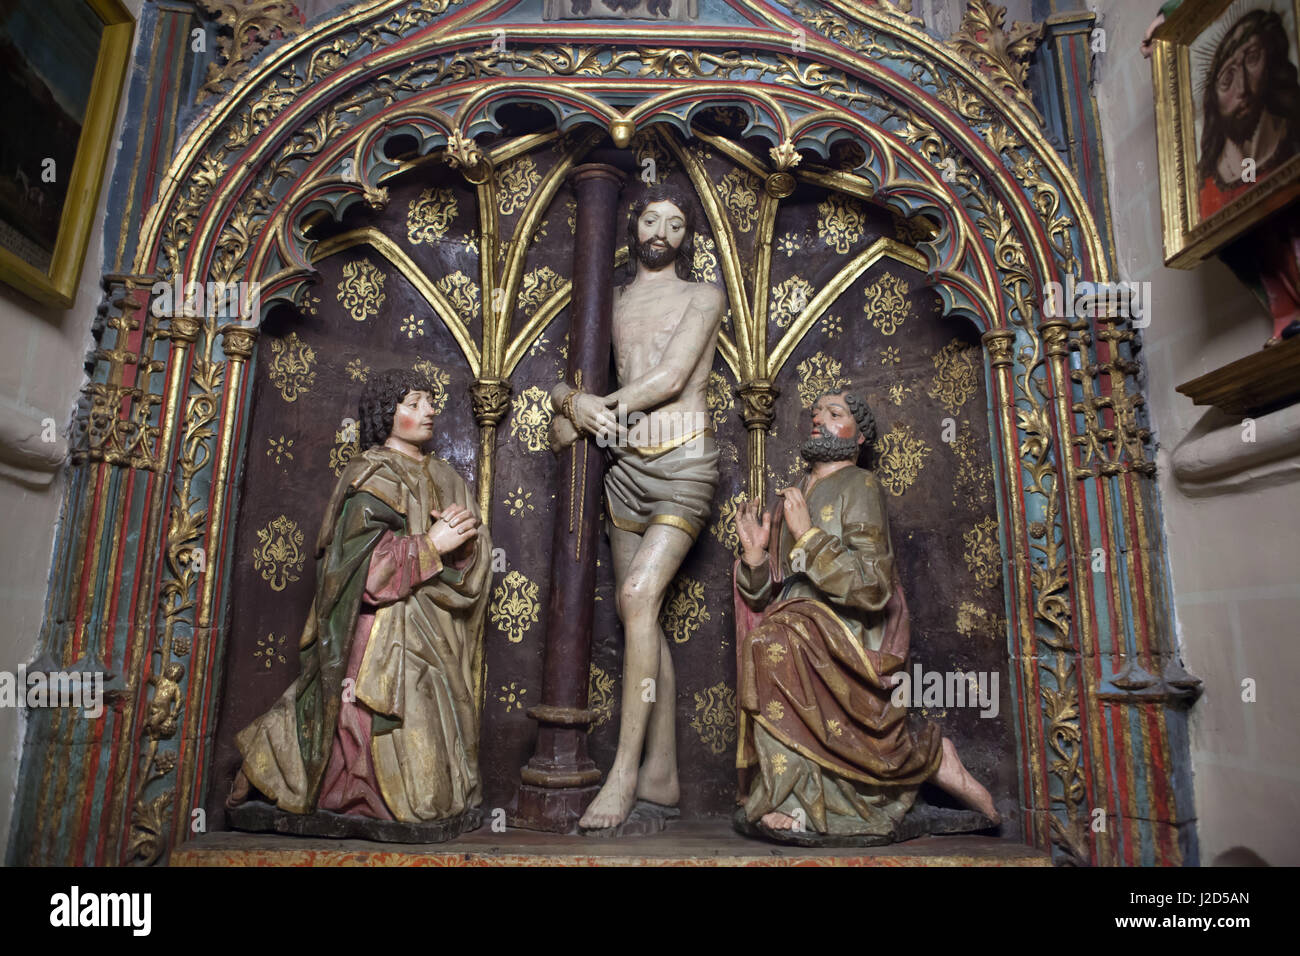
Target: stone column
[560,779]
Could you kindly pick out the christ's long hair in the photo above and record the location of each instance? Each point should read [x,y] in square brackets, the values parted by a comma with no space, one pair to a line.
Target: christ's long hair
[1281,89]
[684,263]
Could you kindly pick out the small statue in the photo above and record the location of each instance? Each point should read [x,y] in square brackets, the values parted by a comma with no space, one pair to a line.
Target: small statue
[822,630]
[659,488]
[382,724]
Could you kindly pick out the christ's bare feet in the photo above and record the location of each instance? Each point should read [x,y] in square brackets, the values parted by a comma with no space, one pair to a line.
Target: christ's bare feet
[778,821]
[613,803]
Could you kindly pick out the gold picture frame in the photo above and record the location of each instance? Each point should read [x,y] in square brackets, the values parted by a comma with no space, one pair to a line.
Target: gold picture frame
[43,249]
[1202,210]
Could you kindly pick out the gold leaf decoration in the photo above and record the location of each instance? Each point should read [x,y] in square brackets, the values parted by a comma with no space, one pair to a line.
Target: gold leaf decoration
[973,621]
[739,193]
[270,650]
[841,221]
[779,764]
[789,298]
[775,710]
[835,728]
[705,263]
[890,355]
[515,182]
[819,374]
[428,216]
[902,456]
[530,418]
[886,303]
[361,292]
[291,369]
[775,654]
[538,286]
[358,371]
[463,293]
[600,696]
[279,554]
[512,695]
[898,391]
[715,717]
[972,480]
[832,326]
[789,244]
[514,606]
[724,527]
[956,375]
[684,610]
[983,554]
[280,449]
[346,445]
[411,326]
[439,379]
[518,502]
[719,398]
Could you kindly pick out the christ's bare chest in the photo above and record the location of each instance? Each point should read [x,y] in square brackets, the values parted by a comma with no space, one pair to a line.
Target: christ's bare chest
[644,322]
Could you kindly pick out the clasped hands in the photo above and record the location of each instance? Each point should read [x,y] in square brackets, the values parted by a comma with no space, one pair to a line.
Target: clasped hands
[455,525]
[754,526]
[580,413]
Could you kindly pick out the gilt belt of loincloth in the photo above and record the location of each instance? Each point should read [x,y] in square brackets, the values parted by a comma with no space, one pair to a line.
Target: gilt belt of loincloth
[670,484]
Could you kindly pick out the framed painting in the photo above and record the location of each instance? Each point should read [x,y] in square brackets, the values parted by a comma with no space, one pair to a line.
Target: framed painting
[1227,103]
[61,75]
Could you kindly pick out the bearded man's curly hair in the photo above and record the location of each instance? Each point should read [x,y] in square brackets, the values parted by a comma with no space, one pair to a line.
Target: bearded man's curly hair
[382,393]
[863,416]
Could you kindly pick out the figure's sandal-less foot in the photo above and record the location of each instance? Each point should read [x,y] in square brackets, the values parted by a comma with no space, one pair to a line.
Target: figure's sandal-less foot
[645,819]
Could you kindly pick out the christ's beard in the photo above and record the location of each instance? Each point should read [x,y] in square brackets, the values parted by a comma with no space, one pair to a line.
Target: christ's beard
[1241,127]
[829,448]
[655,257]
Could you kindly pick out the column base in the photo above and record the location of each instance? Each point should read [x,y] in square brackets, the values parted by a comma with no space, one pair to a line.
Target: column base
[552,809]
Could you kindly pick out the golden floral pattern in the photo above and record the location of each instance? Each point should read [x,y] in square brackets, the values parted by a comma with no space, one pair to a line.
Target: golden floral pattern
[840,221]
[789,299]
[832,326]
[530,418]
[789,244]
[514,607]
[600,696]
[292,367]
[462,292]
[346,445]
[512,695]
[440,381]
[279,554]
[361,292]
[719,398]
[518,502]
[775,710]
[538,286]
[819,374]
[972,483]
[357,370]
[705,263]
[779,764]
[270,650]
[280,449]
[739,193]
[902,456]
[428,216]
[885,303]
[715,717]
[973,620]
[515,182]
[983,553]
[890,355]
[411,326]
[835,728]
[775,654]
[724,527]
[956,375]
[684,609]
[898,391]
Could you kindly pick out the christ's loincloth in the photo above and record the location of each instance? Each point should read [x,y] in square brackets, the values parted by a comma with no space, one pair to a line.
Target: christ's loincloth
[672,486]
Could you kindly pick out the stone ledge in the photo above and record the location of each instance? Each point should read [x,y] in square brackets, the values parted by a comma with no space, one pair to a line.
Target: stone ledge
[695,843]
[1213,459]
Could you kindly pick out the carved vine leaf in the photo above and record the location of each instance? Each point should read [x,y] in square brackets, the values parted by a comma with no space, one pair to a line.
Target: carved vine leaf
[251,25]
[1002,54]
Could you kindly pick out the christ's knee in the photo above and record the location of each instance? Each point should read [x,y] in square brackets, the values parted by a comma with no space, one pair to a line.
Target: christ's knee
[639,596]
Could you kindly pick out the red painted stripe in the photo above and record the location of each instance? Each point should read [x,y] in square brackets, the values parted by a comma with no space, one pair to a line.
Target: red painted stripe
[159,122]
[88,555]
